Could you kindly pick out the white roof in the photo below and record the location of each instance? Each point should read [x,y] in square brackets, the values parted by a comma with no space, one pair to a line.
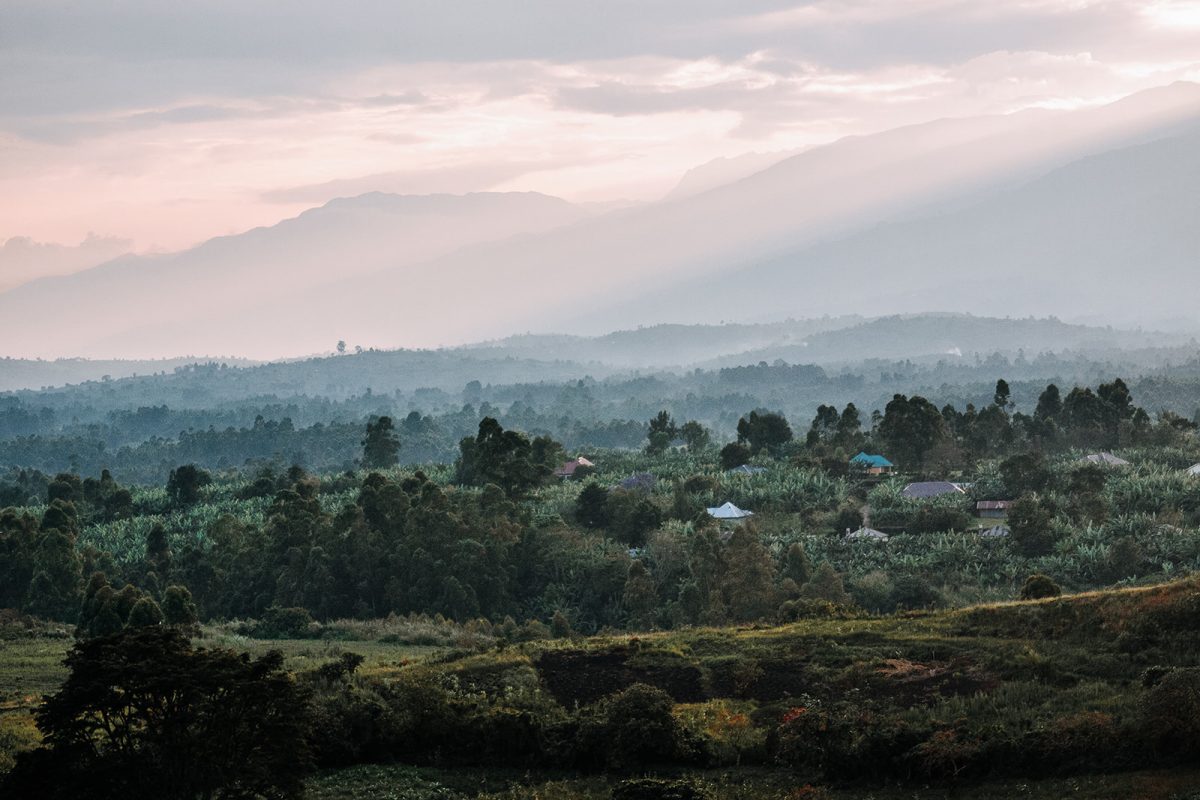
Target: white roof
[729,511]
[1194,470]
[996,532]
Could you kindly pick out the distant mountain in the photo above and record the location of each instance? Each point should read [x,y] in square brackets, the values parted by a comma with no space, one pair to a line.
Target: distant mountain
[723,171]
[121,304]
[1116,235]
[777,244]
[18,374]
[537,358]
[22,259]
[955,338]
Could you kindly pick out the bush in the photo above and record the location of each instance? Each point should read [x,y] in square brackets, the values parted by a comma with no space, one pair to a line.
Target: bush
[1170,713]
[631,728]
[285,623]
[1038,587]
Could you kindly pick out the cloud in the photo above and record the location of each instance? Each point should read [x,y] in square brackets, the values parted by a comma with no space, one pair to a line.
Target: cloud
[116,112]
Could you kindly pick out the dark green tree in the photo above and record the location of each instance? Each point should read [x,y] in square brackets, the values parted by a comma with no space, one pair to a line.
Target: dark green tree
[911,428]
[694,435]
[381,445]
[764,431]
[735,454]
[591,507]
[144,715]
[184,484]
[661,433]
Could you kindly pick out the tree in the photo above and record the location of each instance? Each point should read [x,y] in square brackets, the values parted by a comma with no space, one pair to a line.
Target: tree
[824,425]
[381,446]
[178,609]
[749,577]
[144,715]
[1031,526]
[826,584]
[184,484]
[1002,398]
[505,458]
[661,433]
[734,455]
[1026,473]
[1049,404]
[640,600]
[591,506]
[54,589]
[911,428]
[796,564]
[341,347]
[694,435]
[766,431]
[145,614]
[849,427]
[635,726]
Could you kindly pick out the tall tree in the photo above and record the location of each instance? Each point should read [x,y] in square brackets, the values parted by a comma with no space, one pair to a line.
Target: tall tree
[381,445]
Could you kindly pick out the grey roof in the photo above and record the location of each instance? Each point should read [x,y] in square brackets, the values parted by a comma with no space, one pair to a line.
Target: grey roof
[1194,470]
[931,489]
[995,532]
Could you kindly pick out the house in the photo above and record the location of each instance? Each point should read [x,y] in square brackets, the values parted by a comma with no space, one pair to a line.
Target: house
[872,464]
[1194,471]
[746,469]
[925,490]
[729,511]
[995,532]
[993,509]
[867,533]
[567,470]
[1104,460]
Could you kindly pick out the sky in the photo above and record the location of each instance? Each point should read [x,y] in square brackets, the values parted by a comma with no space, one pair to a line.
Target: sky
[144,125]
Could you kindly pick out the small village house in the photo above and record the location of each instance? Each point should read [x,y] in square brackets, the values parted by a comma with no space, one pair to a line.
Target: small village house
[992,509]
[872,464]
[567,470]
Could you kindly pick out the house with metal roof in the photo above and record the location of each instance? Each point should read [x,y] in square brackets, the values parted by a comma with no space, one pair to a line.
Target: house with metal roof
[867,533]
[746,469]
[729,511]
[925,490]
[994,509]
[1194,471]
[873,464]
[568,469]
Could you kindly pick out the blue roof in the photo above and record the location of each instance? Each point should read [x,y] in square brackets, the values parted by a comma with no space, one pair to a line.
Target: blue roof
[871,460]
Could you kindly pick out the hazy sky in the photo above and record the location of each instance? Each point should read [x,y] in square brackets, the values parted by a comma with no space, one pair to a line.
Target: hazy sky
[166,123]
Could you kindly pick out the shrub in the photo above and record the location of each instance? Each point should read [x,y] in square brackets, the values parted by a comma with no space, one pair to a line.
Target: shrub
[1039,586]
[633,727]
[285,623]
